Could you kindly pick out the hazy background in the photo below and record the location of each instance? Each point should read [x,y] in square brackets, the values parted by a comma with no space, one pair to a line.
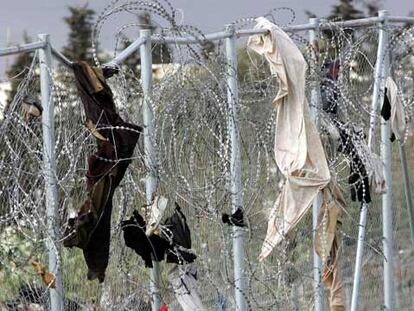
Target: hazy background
[46,16]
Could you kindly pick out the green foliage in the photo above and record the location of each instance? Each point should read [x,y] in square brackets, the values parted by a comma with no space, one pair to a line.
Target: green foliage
[16,72]
[14,247]
[345,10]
[80,22]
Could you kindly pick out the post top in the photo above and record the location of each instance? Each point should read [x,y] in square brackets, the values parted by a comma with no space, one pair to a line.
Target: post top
[44,37]
[145,32]
[230,28]
[383,13]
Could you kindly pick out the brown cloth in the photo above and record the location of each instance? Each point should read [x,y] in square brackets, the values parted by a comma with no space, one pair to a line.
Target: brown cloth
[327,245]
[90,230]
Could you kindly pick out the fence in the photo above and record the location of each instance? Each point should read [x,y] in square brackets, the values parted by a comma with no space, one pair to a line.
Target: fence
[208,144]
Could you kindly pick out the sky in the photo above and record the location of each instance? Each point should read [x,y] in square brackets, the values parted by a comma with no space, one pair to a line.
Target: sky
[46,16]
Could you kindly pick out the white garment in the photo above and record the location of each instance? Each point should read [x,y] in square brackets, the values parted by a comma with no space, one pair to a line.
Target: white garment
[306,169]
[398,121]
[157,211]
[183,280]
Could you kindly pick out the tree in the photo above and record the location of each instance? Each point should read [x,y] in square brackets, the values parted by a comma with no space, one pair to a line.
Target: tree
[80,22]
[345,10]
[160,52]
[16,72]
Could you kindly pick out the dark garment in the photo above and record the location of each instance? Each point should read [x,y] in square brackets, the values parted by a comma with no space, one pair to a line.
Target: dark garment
[386,112]
[149,248]
[386,107]
[329,95]
[235,219]
[90,230]
[177,225]
[176,242]
[358,176]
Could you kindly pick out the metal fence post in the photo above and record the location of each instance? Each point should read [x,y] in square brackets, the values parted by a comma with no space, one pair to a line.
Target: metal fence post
[387,240]
[49,166]
[377,97]
[235,169]
[315,111]
[151,181]
[407,186]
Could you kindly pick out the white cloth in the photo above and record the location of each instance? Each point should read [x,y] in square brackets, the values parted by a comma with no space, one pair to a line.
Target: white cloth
[183,280]
[398,121]
[306,169]
[157,211]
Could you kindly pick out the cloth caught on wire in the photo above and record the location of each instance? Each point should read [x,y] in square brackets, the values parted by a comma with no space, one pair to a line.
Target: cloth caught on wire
[348,139]
[183,280]
[327,244]
[116,140]
[172,240]
[298,149]
[393,109]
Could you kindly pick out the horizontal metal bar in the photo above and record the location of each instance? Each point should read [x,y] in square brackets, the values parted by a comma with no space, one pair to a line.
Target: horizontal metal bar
[401,19]
[295,28]
[209,37]
[351,23]
[133,47]
[29,47]
[62,58]
[193,39]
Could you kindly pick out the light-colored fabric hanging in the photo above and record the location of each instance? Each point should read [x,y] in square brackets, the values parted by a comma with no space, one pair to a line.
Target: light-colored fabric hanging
[327,244]
[157,211]
[183,280]
[298,149]
[398,121]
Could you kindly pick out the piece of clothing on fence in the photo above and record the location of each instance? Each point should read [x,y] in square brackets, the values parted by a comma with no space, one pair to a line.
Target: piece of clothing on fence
[183,280]
[363,163]
[393,102]
[158,206]
[179,233]
[149,248]
[235,219]
[298,148]
[327,244]
[351,145]
[90,229]
[172,239]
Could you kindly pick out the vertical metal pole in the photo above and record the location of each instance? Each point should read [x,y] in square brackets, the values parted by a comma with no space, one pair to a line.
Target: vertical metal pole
[377,98]
[49,166]
[151,181]
[407,186]
[387,240]
[235,170]
[315,111]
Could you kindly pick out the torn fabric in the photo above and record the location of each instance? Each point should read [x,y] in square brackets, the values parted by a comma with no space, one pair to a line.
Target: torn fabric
[90,229]
[305,169]
[183,280]
[327,245]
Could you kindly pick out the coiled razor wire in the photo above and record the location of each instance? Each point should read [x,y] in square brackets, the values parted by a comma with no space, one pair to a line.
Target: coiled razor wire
[191,136]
